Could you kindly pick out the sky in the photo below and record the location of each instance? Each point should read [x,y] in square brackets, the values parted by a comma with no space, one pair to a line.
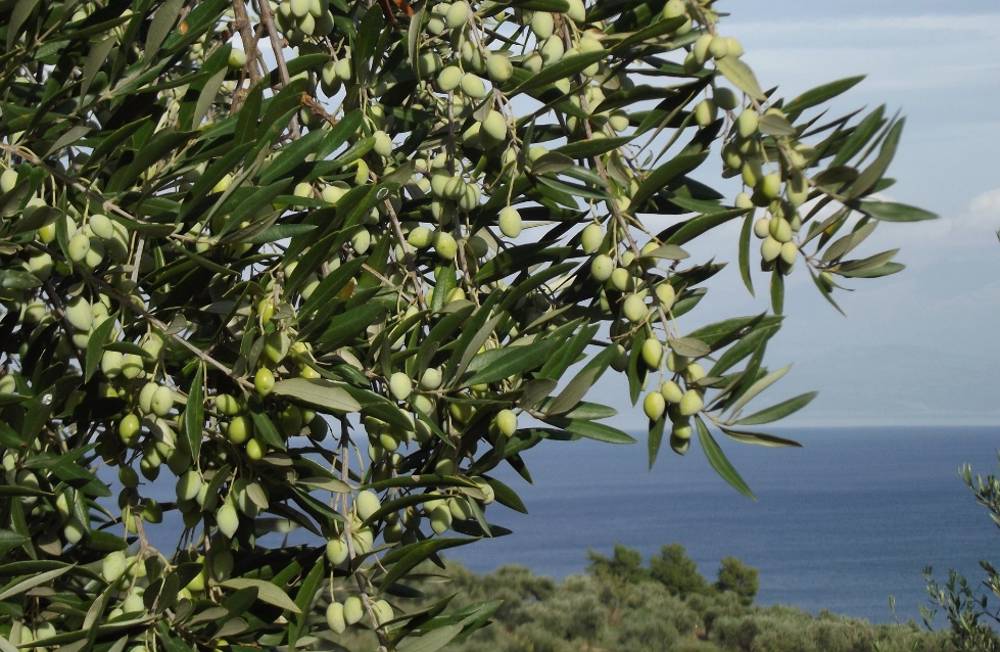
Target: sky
[921,347]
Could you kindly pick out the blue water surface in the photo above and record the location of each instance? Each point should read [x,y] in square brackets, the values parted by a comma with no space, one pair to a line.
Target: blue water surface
[843,523]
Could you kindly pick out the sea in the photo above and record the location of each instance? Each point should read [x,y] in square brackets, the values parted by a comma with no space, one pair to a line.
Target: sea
[847,523]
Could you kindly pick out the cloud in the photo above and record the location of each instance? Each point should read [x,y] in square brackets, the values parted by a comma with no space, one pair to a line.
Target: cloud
[986,24]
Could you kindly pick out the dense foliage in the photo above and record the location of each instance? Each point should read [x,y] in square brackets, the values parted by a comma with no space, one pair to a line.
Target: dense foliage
[318,267]
[972,614]
[621,604]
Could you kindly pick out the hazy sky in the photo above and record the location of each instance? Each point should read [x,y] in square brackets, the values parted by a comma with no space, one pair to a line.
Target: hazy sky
[920,347]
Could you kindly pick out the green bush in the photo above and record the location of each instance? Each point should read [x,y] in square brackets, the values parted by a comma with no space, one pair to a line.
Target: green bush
[739,578]
[672,568]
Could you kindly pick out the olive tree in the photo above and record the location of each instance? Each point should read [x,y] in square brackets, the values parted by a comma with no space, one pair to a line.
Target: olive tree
[283,284]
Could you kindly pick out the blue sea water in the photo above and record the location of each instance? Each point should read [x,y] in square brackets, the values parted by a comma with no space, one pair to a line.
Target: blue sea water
[842,524]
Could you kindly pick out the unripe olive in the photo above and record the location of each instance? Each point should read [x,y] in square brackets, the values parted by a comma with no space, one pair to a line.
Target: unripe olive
[654,405]
[188,485]
[671,392]
[770,249]
[361,241]
[383,612]
[101,226]
[510,222]
[79,246]
[400,386]
[621,280]
[577,12]
[331,194]
[237,58]
[601,267]
[8,179]
[681,430]
[704,113]
[694,372]
[674,9]
[335,618]
[152,344]
[255,450]
[747,123]
[132,366]
[440,519]
[762,227]
[700,48]
[336,551]
[276,346]
[263,381]
[719,47]
[690,403]
[353,610]
[111,363]
[770,186]
[797,190]
[552,50]
[458,14]
[227,405]
[162,401]
[430,379]
[449,78]
[789,251]
[367,503]
[666,295]
[743,201]
[445,245]
[239,429]
[494,126]
[197,583]
[591,238]
[499,67]
[422,404]
[79,313]
[228,520]
[40,265]
[652,352]
[780,229]
[473,86]
[383,144]
[73,532]
[634,308]
[506,422]
[128,428]
[146,397]
[420,237]
[542,24]
[113,566]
